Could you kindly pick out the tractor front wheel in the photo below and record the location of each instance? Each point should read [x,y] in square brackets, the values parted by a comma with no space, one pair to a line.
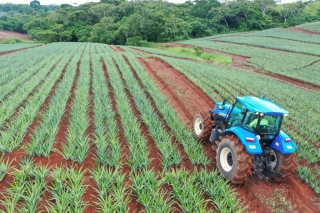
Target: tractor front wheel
[233,161]
[202,127]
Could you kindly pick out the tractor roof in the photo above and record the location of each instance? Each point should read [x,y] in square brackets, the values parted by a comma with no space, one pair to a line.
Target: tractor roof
[262,105]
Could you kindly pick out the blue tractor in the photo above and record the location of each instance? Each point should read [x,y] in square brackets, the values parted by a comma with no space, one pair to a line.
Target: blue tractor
[248,139]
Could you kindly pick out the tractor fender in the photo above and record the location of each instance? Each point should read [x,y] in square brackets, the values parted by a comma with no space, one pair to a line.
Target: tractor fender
[283,143]
[253,146]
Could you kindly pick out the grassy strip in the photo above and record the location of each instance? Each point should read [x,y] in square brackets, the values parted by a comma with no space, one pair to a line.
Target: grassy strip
[197,53]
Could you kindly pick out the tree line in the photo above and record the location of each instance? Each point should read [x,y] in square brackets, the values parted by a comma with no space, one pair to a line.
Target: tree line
[140,22]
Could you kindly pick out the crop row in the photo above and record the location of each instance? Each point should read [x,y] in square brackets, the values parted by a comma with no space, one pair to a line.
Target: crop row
[245,83]
[275,43]
[14,64]
[43,137]
[107,143]
[33,92]
[77,141]
[24,192]
[193,149]
[139,150]
[289,64]
[157,192]
[310,176]
[11,47]
[312,27]
[286,34]
[169,153]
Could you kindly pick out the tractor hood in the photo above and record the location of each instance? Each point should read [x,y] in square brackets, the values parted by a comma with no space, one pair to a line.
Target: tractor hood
[262,105]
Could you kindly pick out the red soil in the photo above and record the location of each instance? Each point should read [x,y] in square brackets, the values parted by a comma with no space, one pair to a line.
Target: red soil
[187,99]
[294,29]
[117,49]
[256,192]
[6,34]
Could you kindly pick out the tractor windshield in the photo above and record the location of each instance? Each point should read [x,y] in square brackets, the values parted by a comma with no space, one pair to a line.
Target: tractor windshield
[266,124]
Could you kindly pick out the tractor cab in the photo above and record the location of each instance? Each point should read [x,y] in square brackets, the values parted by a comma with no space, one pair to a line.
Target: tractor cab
[264,124]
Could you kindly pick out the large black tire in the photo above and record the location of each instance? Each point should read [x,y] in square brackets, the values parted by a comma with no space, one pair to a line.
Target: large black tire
[285,164]
[233,161]
[202,127]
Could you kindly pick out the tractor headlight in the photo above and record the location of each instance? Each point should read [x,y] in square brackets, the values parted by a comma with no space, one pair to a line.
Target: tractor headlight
[258,137]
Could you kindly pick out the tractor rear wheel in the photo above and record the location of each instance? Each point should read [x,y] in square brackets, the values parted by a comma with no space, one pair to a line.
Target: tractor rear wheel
[233,161]
[284,165]
[202,127]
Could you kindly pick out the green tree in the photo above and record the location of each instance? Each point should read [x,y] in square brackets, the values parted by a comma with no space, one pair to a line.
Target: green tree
[35,4]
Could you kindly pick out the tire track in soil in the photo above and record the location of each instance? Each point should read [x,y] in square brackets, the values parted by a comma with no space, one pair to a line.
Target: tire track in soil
[186,97]
[16,156]
[238,63]
[197,97]
[193,101]
[117,48]
[249,192]
[154,152]
[134,205]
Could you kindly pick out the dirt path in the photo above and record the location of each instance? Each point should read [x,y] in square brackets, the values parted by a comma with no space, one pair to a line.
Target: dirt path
[117,49]
[257,194]
[238,62]
[294,29]
[6,34]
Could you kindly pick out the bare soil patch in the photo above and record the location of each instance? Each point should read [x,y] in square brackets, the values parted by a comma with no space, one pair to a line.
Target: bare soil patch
[6,34]
[117,49]
[256,194]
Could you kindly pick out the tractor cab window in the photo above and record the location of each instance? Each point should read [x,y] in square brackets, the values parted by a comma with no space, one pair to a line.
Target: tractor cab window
[266,124]
[250,121]
[269,124]
[236,115]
